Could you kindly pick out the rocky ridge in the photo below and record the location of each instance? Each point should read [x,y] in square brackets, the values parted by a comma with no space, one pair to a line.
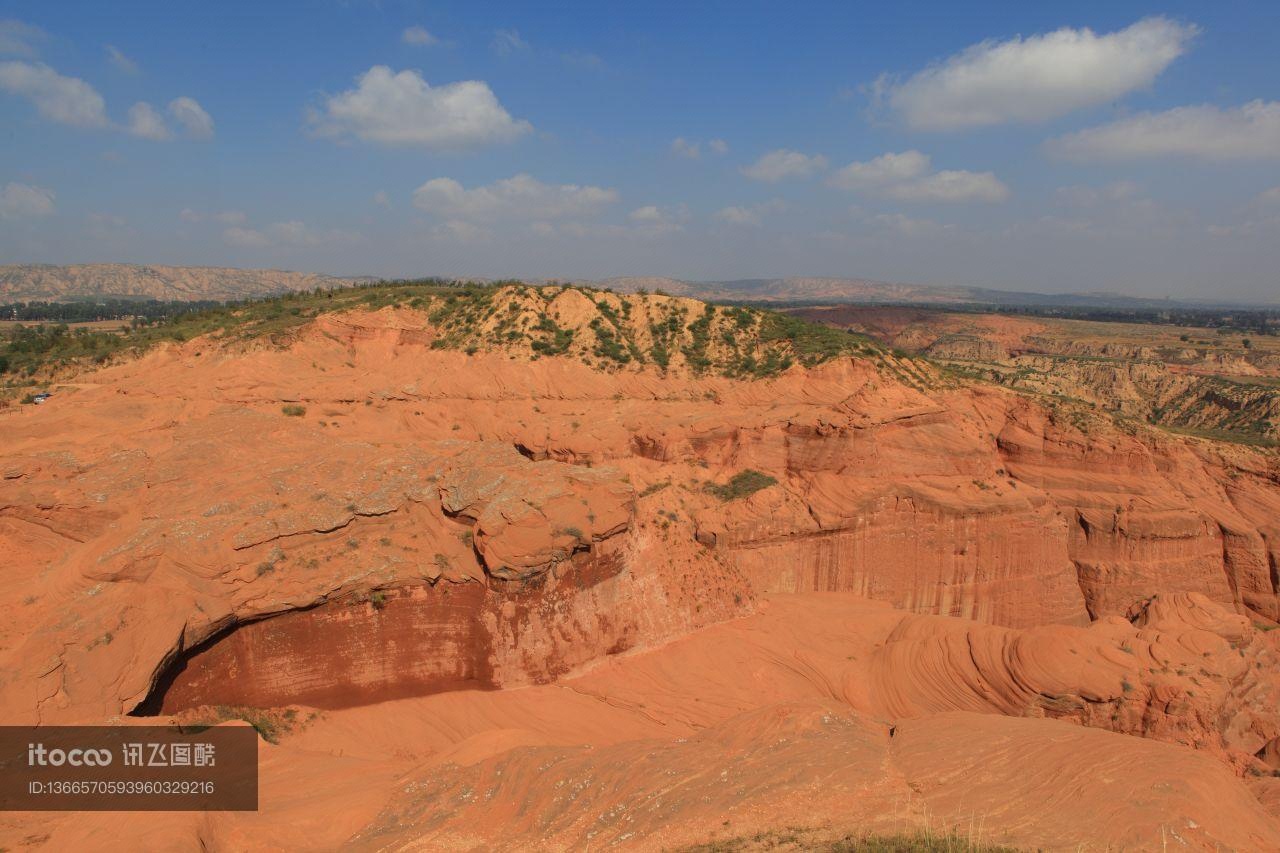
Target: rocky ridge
[1221,384]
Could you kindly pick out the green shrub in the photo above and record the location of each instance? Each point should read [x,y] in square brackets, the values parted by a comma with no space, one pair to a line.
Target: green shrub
[741,485]
[293,410]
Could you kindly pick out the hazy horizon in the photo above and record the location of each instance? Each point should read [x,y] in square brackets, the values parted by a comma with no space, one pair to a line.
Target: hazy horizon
[1126,148]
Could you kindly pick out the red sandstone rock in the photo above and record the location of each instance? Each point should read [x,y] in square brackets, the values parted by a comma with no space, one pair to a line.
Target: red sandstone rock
[443,522]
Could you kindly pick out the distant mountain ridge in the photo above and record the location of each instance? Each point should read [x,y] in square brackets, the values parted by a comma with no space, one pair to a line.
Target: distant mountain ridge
[871,292]
[48,283]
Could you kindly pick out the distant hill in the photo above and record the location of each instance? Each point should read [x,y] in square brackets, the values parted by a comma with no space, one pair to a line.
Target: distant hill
[45,282]
[797,290]
[870,292]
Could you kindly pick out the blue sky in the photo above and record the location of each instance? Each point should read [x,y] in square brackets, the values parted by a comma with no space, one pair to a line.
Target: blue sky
[1091,146]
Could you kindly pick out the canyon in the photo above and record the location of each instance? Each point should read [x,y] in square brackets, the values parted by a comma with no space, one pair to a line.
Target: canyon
[556,567]
[1223,382]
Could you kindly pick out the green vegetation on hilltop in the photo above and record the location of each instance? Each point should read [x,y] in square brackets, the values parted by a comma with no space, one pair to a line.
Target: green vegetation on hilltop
[97,309]
[30,351]
[604,329]
[609,331]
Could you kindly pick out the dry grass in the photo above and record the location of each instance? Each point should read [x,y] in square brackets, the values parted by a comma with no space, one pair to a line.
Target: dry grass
[919,841]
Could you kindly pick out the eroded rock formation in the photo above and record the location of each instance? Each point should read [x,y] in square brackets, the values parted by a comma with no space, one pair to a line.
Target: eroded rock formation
[424,528]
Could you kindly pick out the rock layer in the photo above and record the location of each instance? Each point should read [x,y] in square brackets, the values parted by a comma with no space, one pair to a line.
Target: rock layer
[801,715]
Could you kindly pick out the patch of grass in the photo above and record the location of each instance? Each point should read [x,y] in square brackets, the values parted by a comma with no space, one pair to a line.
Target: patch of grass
[921,841]
[741,485]
[293,410]
[104,640]
[1247,438]
[654,488]
[812,343]
[268,722]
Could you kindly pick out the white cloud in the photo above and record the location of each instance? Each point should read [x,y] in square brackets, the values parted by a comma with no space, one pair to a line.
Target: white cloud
[905,176]
[1260,217]
[1085,196]
[518,197]
[596,230]
[381,198]
[285,234]
[109,226]
[506,42]
[752,215]
[245,238]
[644,223]
[194,120]
[1247,132]
[950,186]
[1251,228]
[225,217]
[738,215]
[461,232]
[122,63]
[146,123]
[776,165]
[1037,78]
[293,233]
[648,213]
[682,147]
[67,100]
[652,220]
[692,148]
[403,109]
[19,39]
[418,37]
[1268,226]
[882,170]
[908,226]
[23,201]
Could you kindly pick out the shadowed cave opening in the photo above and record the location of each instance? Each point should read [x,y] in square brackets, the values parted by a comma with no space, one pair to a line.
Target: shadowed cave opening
[152,705]
[391,644]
